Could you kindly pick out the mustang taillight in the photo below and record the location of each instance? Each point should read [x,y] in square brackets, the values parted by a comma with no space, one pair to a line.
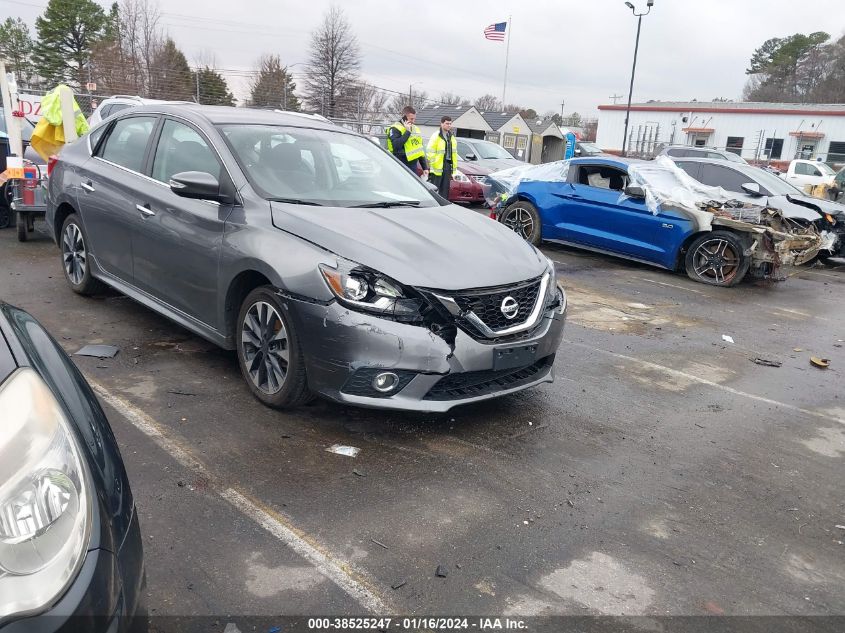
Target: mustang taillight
[51,162]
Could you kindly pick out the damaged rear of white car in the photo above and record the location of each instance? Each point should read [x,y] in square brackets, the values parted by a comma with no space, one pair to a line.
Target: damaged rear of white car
[655,213]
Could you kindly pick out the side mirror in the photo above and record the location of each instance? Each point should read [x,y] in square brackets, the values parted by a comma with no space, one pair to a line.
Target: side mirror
[752,188]
[471,157]
[634,191]
[198,185]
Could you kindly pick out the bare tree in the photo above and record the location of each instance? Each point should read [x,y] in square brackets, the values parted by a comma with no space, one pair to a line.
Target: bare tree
[333,64]
[450,98]
[371,103]
[488,103]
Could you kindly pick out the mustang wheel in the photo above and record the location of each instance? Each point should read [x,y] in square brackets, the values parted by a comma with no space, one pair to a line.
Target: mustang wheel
[717,258]
[522,218]
[269,354]
[75,262]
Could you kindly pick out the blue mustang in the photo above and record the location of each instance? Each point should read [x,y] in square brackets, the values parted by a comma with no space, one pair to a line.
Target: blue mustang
[591,203]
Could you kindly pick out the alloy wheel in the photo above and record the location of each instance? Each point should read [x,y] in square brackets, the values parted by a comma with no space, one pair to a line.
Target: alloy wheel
[716,259]
[520,221]
[73,253]
[264,341]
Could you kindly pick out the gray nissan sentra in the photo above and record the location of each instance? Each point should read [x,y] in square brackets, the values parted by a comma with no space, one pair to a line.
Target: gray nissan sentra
[328,266]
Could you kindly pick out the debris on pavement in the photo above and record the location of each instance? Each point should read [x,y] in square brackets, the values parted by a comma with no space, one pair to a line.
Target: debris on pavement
[441,572]
[379,543]
[177,392]
[821,363]
[570,504]
[727,338]
[357,472]
[340,449]
[98,351]
[766,363]
[797,349]
[839,527]
[401,583]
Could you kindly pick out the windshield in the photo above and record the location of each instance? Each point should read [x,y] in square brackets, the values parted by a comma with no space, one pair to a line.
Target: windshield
[322,167]
[486,149]
[735,158]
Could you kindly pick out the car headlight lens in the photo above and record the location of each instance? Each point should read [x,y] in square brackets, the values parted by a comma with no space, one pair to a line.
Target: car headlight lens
[460,176]
[555,292]
[362,288]
[45,508]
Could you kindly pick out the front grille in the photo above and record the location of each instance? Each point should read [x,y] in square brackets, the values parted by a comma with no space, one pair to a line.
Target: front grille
[361,382]
[487,304]
[472,384]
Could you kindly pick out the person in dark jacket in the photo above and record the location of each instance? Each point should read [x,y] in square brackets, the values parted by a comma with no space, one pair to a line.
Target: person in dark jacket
[405,141]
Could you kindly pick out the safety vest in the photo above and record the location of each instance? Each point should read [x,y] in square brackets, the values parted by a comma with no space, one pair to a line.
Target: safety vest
[436,154]
[413,146]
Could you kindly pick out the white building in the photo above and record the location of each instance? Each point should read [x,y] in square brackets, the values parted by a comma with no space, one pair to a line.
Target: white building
[777,132]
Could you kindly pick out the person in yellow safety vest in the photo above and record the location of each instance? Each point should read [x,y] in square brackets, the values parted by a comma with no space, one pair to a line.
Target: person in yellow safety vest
[442,154]
[405,142]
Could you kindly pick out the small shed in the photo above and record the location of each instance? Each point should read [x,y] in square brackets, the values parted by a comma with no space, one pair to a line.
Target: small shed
[547,142]
[467,122]
[511,131]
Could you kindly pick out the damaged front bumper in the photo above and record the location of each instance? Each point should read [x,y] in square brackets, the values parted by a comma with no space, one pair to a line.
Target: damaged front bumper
[344,350]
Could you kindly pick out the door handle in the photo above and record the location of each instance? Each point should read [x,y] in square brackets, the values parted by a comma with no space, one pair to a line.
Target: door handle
[145,210]
[88,186]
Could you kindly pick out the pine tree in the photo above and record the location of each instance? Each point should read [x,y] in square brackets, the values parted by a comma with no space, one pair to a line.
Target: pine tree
[16,48]
[210,88]
[170,77]
[274,87]
[67,32]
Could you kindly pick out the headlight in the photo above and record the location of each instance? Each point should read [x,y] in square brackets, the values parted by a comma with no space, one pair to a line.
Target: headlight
[45,508]
[362,288]
[555,291]
[460,176]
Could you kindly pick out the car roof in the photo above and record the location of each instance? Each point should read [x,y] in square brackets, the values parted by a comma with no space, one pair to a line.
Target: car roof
[222,115]
[714,161]
[611,161]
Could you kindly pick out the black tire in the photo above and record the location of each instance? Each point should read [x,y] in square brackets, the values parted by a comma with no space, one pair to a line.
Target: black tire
[522,218]
[6,213]
[717,258]
[73,246]
[269,353]
[21,222]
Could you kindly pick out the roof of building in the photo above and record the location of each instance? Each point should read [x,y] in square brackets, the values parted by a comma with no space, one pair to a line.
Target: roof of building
[498,119]
[734,107]
[538,126]
[433,114]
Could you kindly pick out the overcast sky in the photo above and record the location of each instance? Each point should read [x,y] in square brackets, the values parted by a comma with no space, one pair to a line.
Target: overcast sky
[577,51]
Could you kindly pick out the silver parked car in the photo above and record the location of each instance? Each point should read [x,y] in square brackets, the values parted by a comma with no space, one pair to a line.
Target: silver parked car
[326,264]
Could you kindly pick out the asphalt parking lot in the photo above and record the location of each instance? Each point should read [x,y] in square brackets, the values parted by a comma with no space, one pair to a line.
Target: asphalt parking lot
[664,472]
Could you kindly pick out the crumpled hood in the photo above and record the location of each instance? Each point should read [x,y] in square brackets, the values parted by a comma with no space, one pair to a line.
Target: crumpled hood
[495,164]
[827,206]
[446,248]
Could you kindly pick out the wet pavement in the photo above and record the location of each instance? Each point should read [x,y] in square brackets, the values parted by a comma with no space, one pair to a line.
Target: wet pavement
[664,472]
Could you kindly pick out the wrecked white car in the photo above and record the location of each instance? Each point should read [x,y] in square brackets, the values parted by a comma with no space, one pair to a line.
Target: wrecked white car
[654,213]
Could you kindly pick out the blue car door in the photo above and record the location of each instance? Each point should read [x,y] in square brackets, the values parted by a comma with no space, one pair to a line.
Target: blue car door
[597,213]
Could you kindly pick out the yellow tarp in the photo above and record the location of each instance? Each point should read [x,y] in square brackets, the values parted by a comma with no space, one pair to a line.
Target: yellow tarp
[48,137]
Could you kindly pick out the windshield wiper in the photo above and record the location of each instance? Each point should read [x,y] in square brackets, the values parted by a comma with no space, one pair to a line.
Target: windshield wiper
[386,204]
[296,201]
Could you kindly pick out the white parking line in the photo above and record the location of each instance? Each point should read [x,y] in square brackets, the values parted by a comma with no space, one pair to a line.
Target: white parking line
[709,383]
[341,572]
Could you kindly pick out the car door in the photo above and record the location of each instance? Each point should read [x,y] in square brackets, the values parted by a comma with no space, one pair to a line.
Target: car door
[596,212]
[110,182]
[805,174]
[176,246]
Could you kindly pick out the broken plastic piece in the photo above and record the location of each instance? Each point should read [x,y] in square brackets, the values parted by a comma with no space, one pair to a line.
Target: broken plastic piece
[766,363]
[727,339]
[340,449]
[441,572]
[99,351]
[401,583]
[821,363]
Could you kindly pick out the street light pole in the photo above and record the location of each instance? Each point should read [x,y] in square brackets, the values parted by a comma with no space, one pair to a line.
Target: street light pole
[639,17]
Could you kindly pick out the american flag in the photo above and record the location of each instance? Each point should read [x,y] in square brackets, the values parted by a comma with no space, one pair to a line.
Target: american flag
[496,31]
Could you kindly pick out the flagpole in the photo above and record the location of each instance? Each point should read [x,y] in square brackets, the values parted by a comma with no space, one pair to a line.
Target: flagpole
[507,55]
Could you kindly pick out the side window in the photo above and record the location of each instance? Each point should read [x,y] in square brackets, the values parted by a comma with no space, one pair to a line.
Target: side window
[602,177]
[724,177]
[815,171]
[94,136]
[105,111]
[127,142]
[692,169]
[117,107]
[181,148]
[677,153]
[464,148]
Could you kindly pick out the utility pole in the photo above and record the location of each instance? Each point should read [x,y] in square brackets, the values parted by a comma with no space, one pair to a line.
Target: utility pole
[562,104]
[639,17]
[615,98]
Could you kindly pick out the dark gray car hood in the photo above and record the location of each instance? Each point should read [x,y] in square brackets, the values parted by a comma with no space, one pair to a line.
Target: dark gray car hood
[495,164]
[825,206]
[446,248]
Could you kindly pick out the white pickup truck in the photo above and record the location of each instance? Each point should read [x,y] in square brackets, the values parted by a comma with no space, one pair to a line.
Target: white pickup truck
[808,172]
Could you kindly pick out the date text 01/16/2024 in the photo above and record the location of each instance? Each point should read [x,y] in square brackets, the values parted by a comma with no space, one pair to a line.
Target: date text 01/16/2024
[416,624]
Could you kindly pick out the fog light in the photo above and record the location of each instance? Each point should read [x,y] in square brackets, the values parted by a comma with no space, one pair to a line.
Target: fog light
[385,382]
